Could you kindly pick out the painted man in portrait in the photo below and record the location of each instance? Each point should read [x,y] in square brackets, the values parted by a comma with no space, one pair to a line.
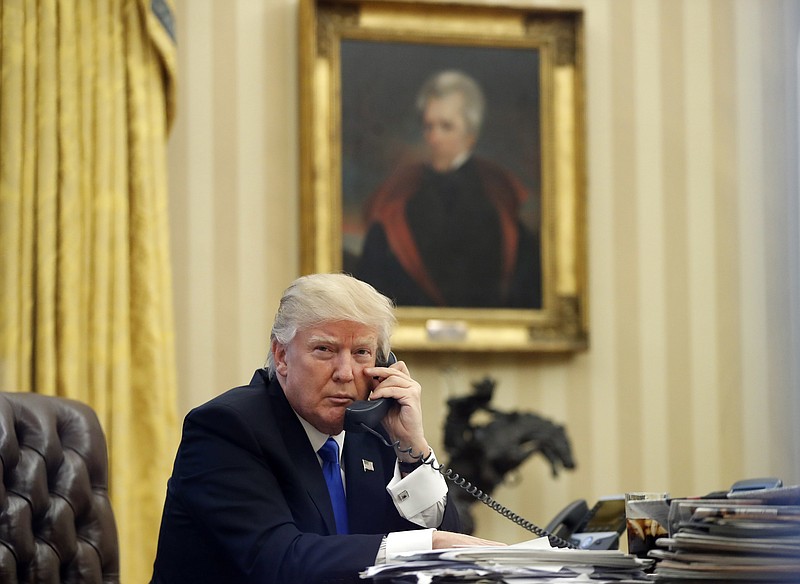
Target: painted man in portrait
[446,231]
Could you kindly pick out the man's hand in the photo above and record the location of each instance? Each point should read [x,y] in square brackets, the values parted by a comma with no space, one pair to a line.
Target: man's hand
[449,539]
[404,422]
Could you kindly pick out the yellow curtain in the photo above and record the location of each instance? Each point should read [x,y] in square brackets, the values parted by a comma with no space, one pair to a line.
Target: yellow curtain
[86,101]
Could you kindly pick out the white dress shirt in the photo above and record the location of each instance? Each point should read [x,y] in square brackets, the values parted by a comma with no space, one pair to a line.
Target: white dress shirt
[419,497]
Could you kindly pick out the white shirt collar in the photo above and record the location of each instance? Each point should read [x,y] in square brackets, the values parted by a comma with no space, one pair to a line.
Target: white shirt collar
[459,161]
[318,438]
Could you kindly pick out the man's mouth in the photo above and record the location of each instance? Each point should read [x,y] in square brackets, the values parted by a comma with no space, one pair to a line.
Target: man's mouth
[340,400]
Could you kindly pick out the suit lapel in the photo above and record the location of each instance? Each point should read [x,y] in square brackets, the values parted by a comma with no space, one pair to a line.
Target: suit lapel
[366,476]
[303,457]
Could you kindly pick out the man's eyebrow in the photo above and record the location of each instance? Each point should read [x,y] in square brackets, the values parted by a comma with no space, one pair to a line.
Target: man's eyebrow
[324,340]
[321,340]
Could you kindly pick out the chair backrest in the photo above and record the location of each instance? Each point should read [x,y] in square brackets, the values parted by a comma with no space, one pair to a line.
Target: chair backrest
[56,521]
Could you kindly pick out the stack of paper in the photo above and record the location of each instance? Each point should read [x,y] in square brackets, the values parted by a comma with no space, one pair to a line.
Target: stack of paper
[729,541]
[533,561]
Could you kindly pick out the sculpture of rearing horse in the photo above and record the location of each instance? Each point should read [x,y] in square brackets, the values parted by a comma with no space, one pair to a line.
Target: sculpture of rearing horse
[484,454]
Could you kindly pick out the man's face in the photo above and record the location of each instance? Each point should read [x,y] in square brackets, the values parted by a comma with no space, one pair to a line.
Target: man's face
[445,130]
[322,371]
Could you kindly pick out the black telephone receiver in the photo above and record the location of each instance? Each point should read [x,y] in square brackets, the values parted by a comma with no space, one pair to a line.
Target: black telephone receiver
[366,415]
[362,415]
[598,528]
[566,522]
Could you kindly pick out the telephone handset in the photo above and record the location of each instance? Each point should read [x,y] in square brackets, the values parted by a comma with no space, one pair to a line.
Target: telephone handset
[568,519]
[598,528]
[366,415]
[362,415]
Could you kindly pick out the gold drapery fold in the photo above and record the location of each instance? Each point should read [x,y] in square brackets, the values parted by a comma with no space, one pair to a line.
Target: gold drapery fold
[86,102]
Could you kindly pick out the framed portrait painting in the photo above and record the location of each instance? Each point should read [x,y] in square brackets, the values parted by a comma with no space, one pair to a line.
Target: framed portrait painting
[442,162]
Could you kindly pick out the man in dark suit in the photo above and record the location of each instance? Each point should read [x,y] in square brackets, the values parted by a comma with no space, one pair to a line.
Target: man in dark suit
[247,500]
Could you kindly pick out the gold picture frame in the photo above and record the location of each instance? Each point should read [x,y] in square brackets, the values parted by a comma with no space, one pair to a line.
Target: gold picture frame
[361,62]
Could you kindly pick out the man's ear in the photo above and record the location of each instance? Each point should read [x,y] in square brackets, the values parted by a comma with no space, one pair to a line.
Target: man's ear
[279,353]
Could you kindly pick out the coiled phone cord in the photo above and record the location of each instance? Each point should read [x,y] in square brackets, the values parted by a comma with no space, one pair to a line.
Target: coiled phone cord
[484,498]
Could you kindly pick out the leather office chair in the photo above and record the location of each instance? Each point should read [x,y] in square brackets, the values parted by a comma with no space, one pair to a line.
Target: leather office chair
[56,521]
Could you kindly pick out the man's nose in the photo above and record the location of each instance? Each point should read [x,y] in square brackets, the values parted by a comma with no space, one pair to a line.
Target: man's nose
[433,135]
[343,372]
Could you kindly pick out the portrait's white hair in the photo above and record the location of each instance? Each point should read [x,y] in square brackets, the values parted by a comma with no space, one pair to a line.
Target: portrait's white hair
[448,82]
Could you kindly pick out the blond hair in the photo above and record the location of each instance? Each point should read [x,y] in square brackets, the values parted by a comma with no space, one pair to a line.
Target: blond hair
[321,298]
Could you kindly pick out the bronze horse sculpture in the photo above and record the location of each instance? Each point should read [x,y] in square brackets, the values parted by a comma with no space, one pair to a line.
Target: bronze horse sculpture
[484,454]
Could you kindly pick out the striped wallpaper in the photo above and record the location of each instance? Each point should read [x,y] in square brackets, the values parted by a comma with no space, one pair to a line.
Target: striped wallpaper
[692,379]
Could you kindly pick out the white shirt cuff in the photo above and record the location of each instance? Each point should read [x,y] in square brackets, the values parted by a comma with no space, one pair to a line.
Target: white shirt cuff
[399,542]
[417,491]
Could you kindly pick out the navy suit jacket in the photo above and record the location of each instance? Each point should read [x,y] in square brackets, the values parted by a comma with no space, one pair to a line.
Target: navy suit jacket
[247,501]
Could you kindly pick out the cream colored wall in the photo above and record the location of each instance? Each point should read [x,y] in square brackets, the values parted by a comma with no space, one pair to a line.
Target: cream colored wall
[692,379]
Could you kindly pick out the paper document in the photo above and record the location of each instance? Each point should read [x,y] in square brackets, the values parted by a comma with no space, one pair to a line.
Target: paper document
[528,561]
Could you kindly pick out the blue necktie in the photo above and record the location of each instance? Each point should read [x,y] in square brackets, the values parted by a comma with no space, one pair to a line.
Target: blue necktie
[329,453]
